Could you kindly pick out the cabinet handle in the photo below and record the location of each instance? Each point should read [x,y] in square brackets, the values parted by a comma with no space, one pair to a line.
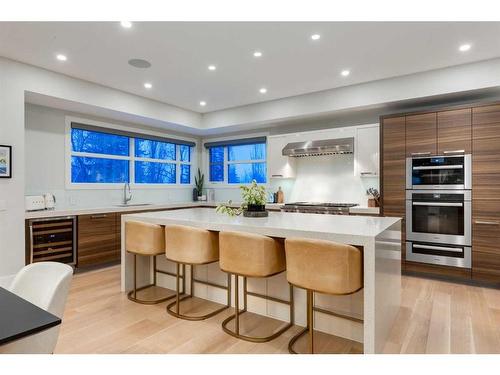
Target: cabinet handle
[276,175]
[484,222]
[367,173]
[98,216]
[420,153]
[454,152]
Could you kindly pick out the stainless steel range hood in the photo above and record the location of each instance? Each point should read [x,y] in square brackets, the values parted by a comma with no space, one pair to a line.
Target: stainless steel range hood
[321,147]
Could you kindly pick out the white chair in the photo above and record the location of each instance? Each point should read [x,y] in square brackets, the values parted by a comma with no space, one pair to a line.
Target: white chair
[46,285]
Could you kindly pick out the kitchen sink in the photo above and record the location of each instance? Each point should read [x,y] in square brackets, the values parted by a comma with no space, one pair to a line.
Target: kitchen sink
[132,204]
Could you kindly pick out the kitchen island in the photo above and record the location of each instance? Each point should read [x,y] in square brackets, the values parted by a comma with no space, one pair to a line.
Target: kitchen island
[374,307]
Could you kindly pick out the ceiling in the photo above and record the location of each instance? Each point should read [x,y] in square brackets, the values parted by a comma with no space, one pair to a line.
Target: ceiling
[292,63]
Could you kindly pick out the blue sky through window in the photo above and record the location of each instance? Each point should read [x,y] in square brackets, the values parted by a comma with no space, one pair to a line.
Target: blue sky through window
[99,143]
[154,173]
[99,170]
[146,148]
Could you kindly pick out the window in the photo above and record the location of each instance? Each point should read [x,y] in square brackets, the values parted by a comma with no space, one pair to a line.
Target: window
[155,162]
[238,163]
[99,157]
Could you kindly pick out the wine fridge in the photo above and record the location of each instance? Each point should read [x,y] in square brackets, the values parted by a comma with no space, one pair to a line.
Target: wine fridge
[52,240]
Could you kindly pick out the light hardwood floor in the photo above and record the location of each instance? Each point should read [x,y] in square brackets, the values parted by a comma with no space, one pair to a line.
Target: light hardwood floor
[435,317]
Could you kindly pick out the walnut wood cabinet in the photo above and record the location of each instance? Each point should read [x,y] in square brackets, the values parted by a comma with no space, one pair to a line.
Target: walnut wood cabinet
[393,154]
[486,193]
[454,131]
[97,239]
[421,134]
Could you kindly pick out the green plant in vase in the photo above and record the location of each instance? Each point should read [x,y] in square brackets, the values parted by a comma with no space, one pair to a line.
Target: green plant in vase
[253,205]
[199,181]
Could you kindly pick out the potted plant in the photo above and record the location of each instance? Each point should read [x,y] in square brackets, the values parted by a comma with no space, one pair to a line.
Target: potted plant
[254,202]
[198,182]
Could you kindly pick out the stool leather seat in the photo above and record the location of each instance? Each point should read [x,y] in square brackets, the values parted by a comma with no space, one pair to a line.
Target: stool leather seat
[190,245]
[324,266]
[251,255]
[145,239]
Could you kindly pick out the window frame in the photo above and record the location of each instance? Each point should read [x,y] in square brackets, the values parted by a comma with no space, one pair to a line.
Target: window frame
[225,183]
[131,158]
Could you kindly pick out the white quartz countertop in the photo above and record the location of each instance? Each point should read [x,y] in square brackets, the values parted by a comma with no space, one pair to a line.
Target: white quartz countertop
[277,224]
[71,210]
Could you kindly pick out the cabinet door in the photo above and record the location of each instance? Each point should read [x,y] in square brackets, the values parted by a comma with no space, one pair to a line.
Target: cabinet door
[421,134]
[279,166]
[393,167]
[454,131]
[97,239]
[486,240]
[486,193]
[367,151]
[486,158]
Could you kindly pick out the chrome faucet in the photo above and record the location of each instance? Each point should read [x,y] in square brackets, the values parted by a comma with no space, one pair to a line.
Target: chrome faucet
[126,197]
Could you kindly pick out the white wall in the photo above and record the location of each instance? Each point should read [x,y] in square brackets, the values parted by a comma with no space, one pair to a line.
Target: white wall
[15,80]
[328,178]
[45,164]
[461,78]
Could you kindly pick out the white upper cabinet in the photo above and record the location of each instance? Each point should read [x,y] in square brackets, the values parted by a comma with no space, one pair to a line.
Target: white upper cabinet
[279,166]
[366,151]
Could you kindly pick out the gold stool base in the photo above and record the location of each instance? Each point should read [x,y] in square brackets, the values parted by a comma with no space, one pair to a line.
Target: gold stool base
[190,317]
[132,295]
[236,316]
[257,339]
[179,299]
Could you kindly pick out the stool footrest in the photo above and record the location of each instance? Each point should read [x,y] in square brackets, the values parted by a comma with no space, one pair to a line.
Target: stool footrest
[258,339]
[131,297]
[190,317]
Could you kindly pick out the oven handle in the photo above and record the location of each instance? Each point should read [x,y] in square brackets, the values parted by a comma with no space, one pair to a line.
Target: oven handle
[443,204]
[429,247]
[456,166]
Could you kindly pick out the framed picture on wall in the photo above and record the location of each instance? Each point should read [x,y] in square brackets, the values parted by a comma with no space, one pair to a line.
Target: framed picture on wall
[5,161]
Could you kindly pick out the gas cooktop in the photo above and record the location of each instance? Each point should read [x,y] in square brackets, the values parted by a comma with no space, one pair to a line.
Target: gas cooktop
[322,204]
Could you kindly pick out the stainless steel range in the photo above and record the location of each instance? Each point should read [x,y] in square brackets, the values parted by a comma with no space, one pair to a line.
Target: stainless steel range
[319,208]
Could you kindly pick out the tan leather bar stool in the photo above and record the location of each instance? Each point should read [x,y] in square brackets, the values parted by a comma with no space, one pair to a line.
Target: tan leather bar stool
[252,255]
[324,267]
[144,239]
[192,246]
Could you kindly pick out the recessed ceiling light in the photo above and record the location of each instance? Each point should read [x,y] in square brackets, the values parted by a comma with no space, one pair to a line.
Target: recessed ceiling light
[464,47]
[257,54]
[148,85]
[315,36]
[126,24]
[263,90]
[212,67]
[345,73]
[61,57]
[203,104]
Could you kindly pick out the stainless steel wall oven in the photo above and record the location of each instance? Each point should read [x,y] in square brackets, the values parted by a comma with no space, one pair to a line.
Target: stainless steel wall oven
[438,227]
[439,172]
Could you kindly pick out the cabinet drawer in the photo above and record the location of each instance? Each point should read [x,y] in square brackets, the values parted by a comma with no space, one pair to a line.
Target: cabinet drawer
[97,239]
[486,226]
[486,267]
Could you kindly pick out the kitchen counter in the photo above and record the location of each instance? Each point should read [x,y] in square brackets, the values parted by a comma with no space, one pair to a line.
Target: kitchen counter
[72,210]
[377,304]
